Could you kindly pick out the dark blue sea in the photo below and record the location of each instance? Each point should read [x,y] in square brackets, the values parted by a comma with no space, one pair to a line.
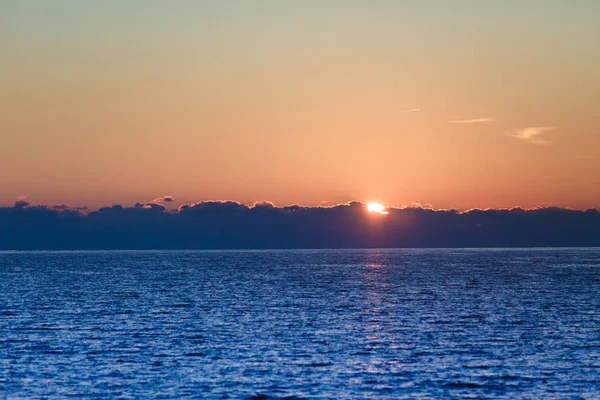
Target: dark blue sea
[301,324]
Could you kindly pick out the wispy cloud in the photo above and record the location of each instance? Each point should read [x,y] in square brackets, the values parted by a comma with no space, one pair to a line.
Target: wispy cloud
[531,134]
[412,110]
[471,121]
[164,199]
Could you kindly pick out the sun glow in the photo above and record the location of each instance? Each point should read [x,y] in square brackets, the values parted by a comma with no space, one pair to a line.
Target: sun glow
[376,208]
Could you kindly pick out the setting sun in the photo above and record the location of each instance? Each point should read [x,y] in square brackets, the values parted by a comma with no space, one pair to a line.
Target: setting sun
[376,208]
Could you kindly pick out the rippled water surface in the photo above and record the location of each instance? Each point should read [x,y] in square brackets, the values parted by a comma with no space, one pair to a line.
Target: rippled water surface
[301,324]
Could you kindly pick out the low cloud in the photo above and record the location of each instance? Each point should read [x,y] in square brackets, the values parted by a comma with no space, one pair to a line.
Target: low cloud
[264,225]
[532,134]
[471,121]
[413,110]
[21,203]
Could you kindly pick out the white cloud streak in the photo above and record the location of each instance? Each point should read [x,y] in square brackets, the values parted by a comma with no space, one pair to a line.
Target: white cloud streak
[471,121]
[531,134]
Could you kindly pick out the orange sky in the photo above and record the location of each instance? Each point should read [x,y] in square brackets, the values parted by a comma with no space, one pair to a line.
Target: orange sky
[469,105]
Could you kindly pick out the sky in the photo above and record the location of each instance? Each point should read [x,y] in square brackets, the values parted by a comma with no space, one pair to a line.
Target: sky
[462,104]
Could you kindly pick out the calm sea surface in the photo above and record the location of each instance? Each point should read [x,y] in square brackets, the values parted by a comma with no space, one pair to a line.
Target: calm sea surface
[301,324]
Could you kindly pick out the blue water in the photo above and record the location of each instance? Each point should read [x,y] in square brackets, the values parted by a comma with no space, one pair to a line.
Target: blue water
[301,324]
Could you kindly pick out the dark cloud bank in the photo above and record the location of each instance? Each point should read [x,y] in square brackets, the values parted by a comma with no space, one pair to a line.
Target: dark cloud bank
[230,225]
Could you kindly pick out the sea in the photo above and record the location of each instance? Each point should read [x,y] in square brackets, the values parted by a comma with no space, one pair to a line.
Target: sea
[315,324]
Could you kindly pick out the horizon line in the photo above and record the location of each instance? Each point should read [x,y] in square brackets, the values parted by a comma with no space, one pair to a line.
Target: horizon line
[22,203]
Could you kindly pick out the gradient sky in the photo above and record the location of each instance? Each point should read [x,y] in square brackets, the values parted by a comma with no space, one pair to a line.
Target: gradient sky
[451,103]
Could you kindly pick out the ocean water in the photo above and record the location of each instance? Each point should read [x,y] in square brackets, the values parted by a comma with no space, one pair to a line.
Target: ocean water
[301,324]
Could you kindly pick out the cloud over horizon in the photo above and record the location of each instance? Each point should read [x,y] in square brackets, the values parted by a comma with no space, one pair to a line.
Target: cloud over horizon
[164,199]
[233,225]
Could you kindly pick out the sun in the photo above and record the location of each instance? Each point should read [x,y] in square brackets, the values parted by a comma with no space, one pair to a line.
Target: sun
[376,208]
